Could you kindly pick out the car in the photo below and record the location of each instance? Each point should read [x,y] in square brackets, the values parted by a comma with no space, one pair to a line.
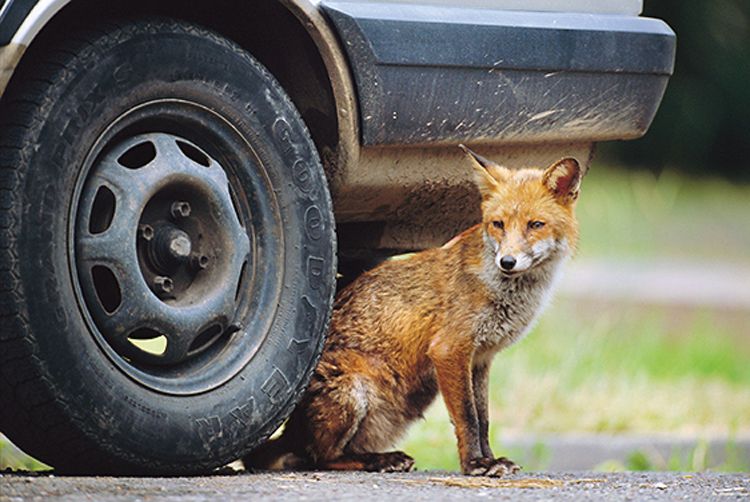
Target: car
[181,181]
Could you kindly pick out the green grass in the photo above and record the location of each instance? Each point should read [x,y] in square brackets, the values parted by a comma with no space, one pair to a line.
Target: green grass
[634,214]
[11,457]
[695,459]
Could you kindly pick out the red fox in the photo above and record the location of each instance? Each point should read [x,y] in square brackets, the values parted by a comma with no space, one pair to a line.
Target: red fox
[433,322]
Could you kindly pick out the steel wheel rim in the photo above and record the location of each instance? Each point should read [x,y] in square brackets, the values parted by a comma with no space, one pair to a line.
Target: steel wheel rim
[187,211]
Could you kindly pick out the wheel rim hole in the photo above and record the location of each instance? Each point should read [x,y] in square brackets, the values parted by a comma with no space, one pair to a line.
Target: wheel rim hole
[102,211]
[149,341]
[205,339]
[193,153]
[233,199]
[138,156]
[240,281]
[107,288]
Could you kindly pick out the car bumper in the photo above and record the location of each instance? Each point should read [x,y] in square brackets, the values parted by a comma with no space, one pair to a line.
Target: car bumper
[430,75]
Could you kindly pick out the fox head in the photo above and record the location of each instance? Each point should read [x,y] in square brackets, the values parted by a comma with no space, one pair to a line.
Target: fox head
[528,214]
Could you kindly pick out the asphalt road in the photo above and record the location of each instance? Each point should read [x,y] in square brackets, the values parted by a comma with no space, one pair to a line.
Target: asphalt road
[429,486]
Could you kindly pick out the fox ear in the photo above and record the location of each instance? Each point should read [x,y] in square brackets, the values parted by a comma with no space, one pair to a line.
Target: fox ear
[487,174]
[563,179]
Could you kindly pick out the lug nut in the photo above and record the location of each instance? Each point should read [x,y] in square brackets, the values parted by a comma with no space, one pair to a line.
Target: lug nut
[146,232]
[180,209]
[163,284]
[200,261]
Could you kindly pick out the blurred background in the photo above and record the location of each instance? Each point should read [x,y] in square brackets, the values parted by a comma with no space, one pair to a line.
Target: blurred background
[643,360]
[701,128]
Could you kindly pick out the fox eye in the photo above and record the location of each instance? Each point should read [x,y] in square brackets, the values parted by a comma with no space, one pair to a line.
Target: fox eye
[498,224]
[535,224]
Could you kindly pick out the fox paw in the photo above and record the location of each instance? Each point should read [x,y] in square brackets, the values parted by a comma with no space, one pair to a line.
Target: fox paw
[492,467]
[394,461]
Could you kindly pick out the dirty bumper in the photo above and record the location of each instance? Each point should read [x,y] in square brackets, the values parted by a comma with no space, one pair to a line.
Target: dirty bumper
[438,75]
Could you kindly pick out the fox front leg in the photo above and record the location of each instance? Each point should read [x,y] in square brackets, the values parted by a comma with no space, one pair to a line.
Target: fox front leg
[452,358]
[480,379]
[488,465]
[492,466]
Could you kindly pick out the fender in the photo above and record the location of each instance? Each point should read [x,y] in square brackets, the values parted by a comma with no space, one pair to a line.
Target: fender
[22,20]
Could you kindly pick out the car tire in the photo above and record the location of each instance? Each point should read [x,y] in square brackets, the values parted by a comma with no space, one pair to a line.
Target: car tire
[167,251]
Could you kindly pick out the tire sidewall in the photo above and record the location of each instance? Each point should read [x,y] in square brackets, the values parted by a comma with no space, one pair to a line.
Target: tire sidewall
[141,429]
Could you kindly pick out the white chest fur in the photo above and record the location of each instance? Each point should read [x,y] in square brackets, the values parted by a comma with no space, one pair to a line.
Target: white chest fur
[516,304]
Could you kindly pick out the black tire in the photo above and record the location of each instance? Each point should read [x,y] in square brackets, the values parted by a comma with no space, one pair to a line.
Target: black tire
[69,395]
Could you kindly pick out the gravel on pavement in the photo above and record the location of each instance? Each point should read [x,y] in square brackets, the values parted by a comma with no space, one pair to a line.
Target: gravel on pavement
[428,486]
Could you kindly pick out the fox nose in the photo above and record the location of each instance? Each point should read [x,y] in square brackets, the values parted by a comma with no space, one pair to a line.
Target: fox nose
[507,262]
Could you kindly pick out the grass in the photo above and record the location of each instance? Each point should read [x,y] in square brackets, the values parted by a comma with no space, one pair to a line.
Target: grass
[589,368]
[634,214]
[695,459]
[11,457]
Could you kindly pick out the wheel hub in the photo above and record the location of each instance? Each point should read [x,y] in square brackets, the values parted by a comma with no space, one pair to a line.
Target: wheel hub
[168,247]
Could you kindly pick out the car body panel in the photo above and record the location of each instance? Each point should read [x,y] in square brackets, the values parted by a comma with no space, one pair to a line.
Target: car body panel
[624,7]
[431,72]
[25,18]
[440,75]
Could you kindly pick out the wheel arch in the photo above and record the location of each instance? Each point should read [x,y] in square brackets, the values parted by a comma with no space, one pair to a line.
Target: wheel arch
[304,55]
